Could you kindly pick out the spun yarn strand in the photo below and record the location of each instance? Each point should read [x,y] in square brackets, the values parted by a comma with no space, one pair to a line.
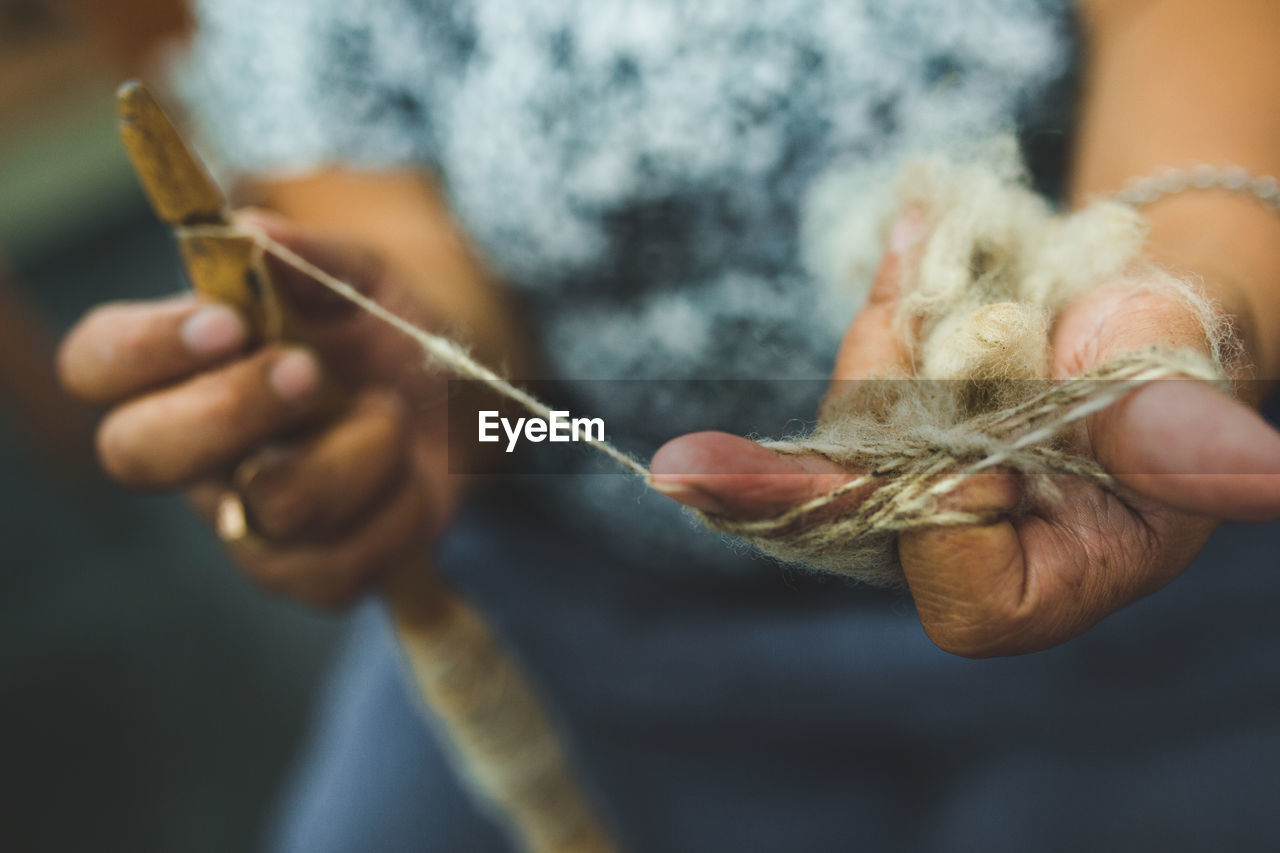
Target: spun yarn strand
[996,270]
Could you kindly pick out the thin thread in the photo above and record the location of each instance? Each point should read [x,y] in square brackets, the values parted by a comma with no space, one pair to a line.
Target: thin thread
[909,482]
[437,347]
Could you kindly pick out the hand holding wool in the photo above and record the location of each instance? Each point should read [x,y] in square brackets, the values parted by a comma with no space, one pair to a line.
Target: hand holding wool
[1047,554]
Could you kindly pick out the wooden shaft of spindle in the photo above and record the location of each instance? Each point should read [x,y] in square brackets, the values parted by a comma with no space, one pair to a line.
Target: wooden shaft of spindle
[508,748]
[505,742]
[506,745]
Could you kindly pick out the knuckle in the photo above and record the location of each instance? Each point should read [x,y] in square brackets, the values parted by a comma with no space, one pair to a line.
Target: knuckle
[965,642]
[89,344]
[140,451]
[226,396]
[75,384]
[979,629]
[121,454]
[67,366]
[119,346]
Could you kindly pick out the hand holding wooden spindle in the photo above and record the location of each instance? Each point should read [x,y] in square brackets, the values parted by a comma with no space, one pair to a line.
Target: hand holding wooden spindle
[290,394]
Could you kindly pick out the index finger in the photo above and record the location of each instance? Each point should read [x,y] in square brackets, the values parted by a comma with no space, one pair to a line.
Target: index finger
[122,349]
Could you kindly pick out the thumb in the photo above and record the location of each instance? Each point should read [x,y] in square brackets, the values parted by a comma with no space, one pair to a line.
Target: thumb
[1192,447]
[727,475]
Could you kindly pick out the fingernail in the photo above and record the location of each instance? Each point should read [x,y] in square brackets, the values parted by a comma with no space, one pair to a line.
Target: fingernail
[692,496]
[295,375]
[212,331]
[907,231]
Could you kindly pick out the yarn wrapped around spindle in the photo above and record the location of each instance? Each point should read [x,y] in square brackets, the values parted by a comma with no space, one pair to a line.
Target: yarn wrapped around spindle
[978,301]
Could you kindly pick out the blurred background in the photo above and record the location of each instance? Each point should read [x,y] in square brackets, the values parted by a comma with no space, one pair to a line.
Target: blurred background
[149,699]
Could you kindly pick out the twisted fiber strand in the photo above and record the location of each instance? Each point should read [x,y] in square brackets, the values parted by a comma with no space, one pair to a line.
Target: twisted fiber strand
[500,732]
[1041,419]
[909,479]
[440,349]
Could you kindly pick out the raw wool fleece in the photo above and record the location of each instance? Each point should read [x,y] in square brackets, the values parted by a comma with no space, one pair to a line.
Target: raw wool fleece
[975,312]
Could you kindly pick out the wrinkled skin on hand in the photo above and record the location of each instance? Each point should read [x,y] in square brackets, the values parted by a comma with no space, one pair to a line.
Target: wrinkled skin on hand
[335,495]
[1189,455]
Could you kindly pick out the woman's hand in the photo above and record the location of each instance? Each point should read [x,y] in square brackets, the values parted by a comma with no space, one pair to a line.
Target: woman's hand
[333,498]
[1191,455]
